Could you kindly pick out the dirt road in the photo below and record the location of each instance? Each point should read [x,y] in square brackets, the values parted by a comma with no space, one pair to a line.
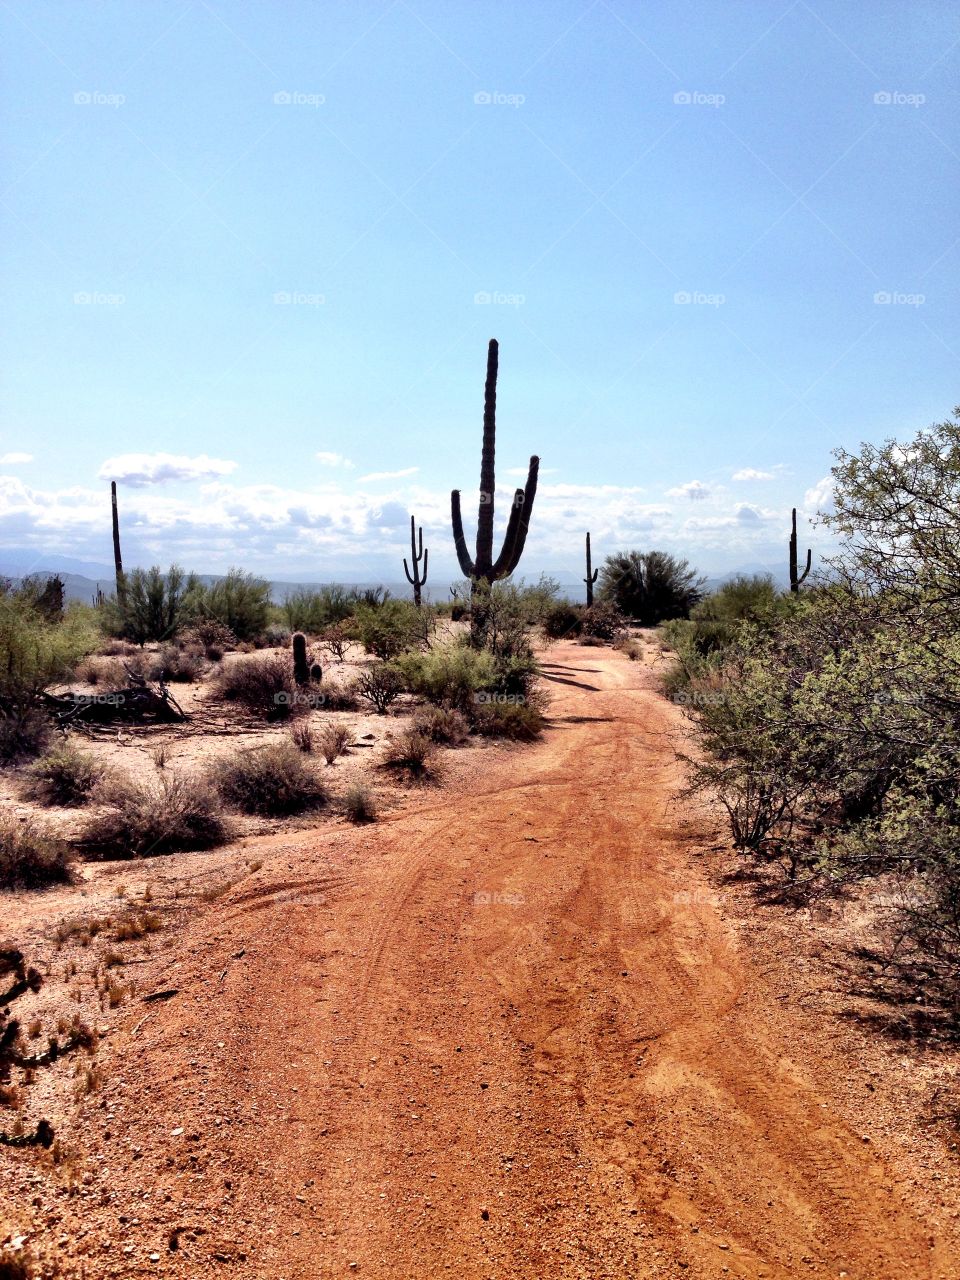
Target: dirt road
[507,1033]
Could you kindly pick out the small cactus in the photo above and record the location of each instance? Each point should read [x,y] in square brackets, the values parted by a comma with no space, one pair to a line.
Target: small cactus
[795,578]
[591,577]
[316,673]
[301,667]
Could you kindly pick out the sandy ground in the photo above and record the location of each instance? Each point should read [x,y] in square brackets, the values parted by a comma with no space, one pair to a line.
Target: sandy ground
[522,1026]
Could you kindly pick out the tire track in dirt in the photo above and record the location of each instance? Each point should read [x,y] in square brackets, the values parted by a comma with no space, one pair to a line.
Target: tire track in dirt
[518,1038]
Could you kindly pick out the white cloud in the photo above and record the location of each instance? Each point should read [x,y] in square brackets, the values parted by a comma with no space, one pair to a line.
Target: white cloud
[334,460]
[139,469]
[11,459]
[748,473]
[820,497]
[693,490]
[388,475]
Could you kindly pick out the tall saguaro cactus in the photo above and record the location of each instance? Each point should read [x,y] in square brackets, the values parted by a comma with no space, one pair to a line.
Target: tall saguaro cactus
[117,561]
[416,578]
[795,579]
[483,570]
[592,574]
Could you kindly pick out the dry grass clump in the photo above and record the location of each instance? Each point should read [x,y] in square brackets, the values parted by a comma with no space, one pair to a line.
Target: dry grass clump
[272,781]
[262,683]
[29,858]
[414,755]
[64,776]
[174,663]
[301,735]
[334,741]
[162,816]
[358,804]
[340,697]
[442,725]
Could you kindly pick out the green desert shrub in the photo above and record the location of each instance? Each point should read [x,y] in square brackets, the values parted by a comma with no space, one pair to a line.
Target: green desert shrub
[386,630]
[562,620]
[449,675]
[238,601]
[272,781]
[311,610]
[649,586]
[29,858]
[167,814]
[64,776]
[500,717]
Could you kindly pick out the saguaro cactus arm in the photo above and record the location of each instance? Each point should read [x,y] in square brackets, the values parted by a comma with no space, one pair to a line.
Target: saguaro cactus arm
[483,567]
[797,578]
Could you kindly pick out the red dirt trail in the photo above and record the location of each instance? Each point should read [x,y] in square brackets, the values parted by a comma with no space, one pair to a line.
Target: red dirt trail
[505,1032]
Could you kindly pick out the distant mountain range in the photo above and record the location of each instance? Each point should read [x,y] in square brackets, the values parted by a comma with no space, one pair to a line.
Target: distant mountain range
[82,578]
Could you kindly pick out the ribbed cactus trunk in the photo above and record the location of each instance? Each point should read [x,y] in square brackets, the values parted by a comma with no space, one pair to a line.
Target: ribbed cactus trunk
[483,570]
[591,577]
[796,580]
[301,667]
[117,560]
[416,578]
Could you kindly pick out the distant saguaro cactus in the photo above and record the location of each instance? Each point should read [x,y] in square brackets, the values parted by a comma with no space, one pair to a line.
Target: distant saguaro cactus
[417,553]
[483,570]
[591,577]
[796,580]
[117,561]
[301,667]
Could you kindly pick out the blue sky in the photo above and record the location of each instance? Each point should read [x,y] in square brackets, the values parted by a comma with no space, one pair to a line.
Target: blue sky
[253,253]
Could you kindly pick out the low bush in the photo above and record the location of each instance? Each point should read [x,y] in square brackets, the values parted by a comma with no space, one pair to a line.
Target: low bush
[517,720]
[340,697]
[162,816]
[414,755]
[358,804]
[450,675]
[272,781]
[63,776]
[386,630]
[602,621]
[238,601]
[443,725]
[176,664]
[563,620]
[262,683]
[29,858]
[380,685]
[209,634]
[301,735]
[24,734]
[334,741]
